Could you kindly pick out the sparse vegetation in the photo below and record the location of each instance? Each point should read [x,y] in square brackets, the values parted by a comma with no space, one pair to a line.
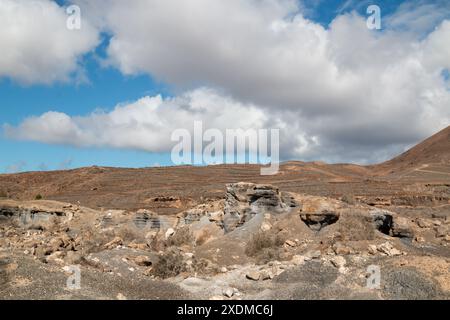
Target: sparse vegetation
[38,197]
[349,199]
[265,246]
[170,264]
[182,236]
[93,241]
[355,227]
[203,266]
[3,193]
[129,233]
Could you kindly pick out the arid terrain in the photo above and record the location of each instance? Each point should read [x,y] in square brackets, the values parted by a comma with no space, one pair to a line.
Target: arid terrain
[312,231]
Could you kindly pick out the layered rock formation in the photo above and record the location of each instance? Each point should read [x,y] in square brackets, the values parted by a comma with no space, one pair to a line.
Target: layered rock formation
[245,200]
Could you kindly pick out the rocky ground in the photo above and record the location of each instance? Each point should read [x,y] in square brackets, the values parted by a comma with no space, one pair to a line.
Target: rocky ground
[254,242]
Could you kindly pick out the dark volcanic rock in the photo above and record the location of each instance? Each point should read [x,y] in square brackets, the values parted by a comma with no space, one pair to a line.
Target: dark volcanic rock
[317,221]
[382,220]
[391,224]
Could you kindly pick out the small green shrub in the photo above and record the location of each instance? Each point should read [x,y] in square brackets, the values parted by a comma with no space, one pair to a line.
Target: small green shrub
[38,197]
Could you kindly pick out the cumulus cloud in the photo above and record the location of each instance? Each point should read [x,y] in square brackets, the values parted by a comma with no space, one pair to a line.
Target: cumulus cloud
[341,93]
[146,124]
[36,46]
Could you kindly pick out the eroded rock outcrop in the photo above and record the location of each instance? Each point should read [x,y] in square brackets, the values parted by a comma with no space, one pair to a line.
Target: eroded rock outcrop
[391,224]
[317,212]
[319,220]
[245,200]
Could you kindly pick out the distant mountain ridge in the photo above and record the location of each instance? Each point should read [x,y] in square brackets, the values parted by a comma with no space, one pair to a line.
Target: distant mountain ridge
[169,190]
[433,150]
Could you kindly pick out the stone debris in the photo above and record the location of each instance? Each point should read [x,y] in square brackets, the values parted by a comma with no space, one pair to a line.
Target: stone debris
[442,231]
[117,241]
[290,243]
[216,216]
[204,249]
[419,239]
[120,296]
[314,254]
[253,275]
[388,249]
[266,274]
[266,226]
[142,261]
[298,260]
[338,261]
[228,292]
[341,249]
[170,232]
[372,249]
[424,223]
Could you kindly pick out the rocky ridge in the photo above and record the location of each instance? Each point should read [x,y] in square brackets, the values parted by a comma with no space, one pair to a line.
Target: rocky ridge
[255,243]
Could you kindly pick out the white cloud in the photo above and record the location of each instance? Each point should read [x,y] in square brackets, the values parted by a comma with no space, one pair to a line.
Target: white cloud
[343,93]
[36,46]
[146,124]
[437,48]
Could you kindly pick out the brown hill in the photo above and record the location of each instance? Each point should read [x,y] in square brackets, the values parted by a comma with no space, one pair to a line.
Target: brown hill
[169,190]
[434,151]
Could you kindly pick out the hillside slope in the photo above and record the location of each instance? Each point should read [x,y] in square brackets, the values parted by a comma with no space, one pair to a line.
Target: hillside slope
[432,151]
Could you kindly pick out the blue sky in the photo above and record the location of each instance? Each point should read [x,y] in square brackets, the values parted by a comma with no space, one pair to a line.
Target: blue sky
[105,87]
[324,11]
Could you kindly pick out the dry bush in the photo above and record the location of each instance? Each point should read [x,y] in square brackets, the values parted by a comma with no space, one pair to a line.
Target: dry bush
[129,233]
[15,223]
[348,198]
[182,236]
[356,226]
[169,264]
[92,240]
[265,246]
[156,243]
[4,277]
[204,267]
[3,194]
